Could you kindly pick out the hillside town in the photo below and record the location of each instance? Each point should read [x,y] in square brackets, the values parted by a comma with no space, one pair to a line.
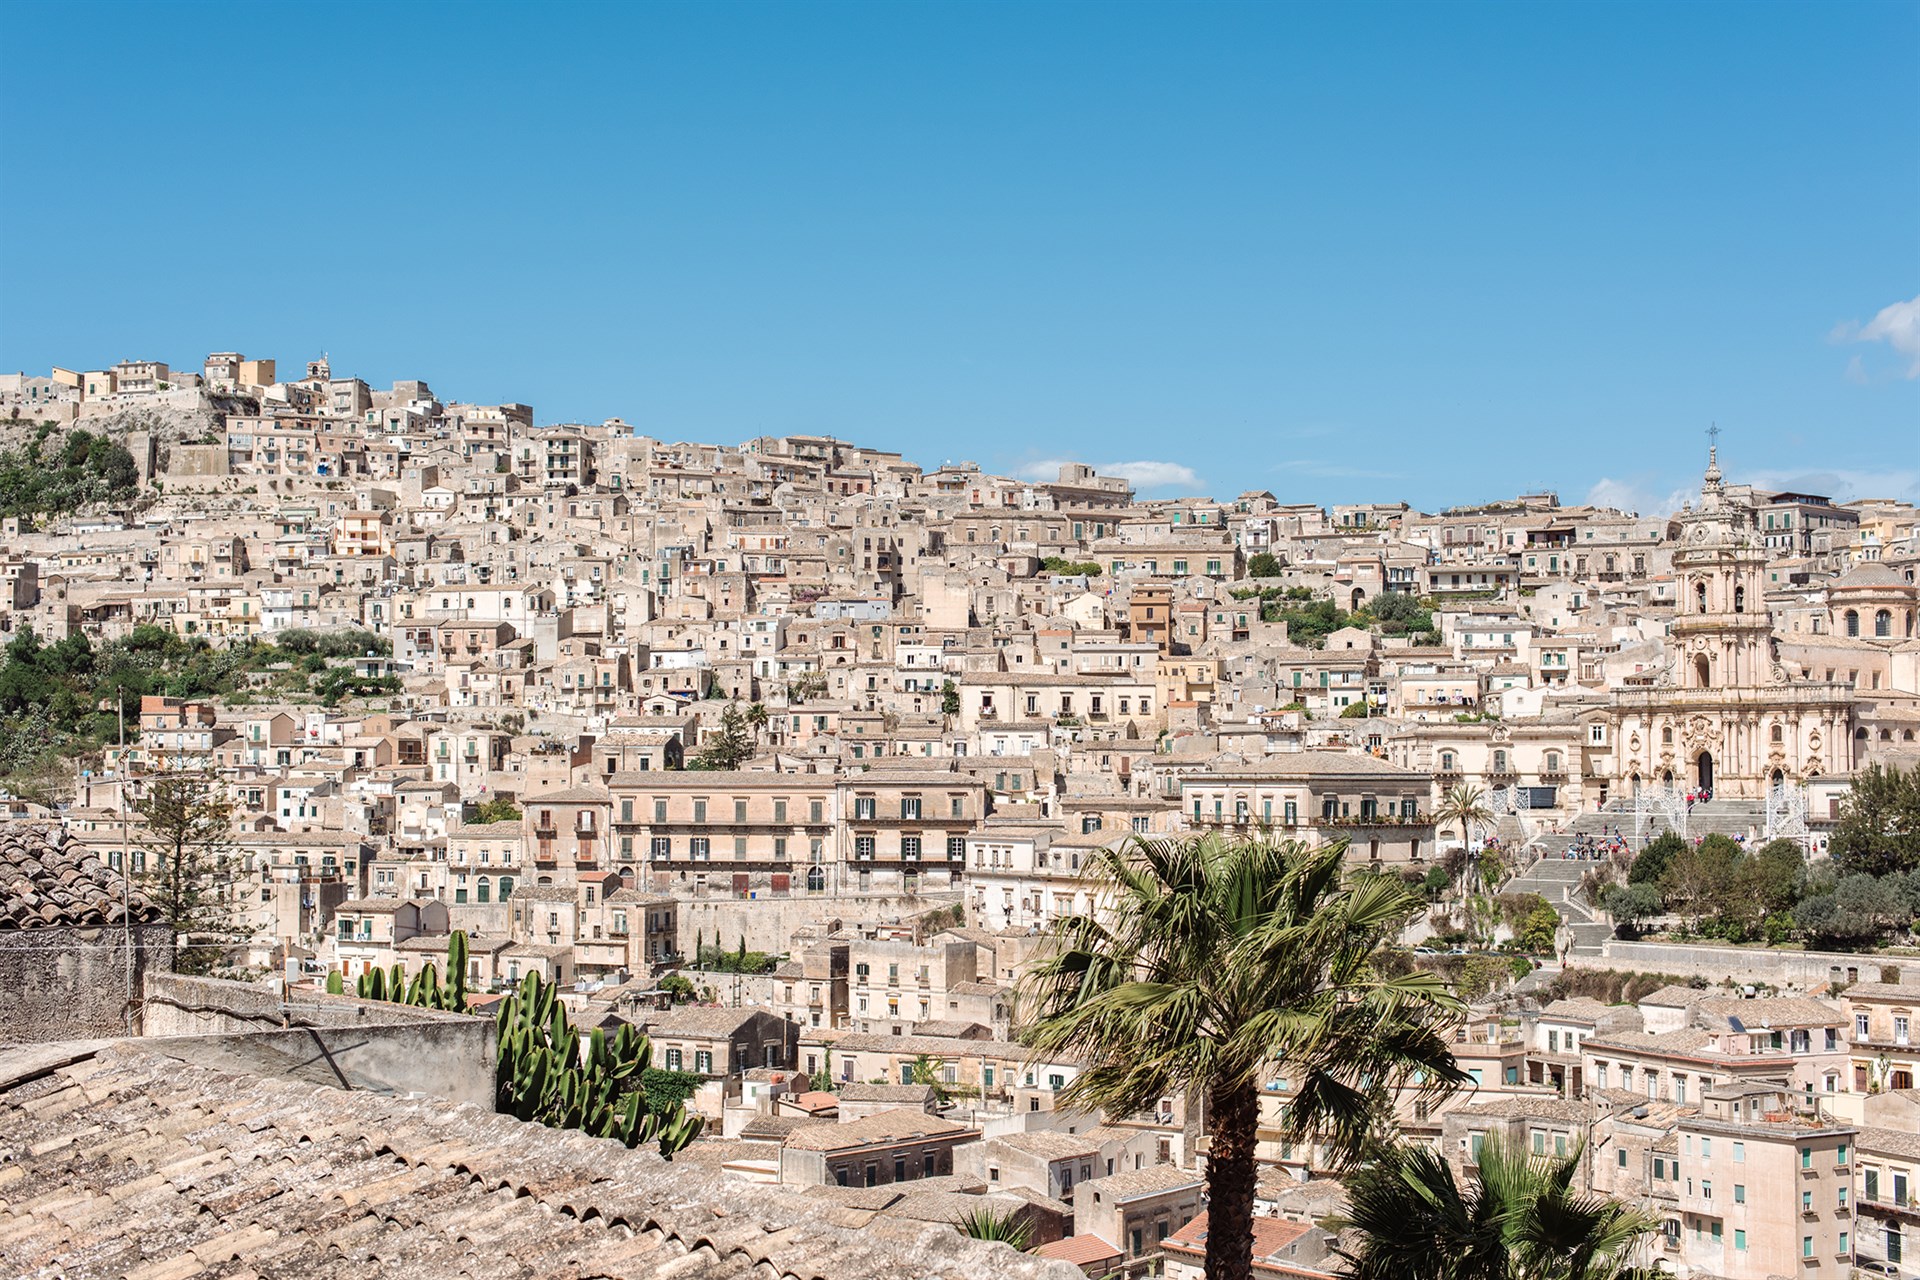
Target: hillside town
[793,755]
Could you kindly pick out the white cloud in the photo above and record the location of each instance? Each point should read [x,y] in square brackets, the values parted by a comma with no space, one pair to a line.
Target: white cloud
[1045,471]
[1636,496]
[1152,475]
[1897,325]
[1842,485]
[1146,474]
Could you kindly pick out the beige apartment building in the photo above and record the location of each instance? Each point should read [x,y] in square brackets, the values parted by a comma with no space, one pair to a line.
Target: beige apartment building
[1882,1021]
[1887,1197]
[739,831]
[1317,796]
[1763,1197]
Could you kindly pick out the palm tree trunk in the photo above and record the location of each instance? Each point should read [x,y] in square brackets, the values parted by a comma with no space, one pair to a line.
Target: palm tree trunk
[1235,1118]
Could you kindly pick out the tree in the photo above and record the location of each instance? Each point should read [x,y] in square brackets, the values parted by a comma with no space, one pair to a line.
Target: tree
[186,831]
[949,699]
[1701,877]
[1263,564]
[1538,929]
[1632,905]
[496,809]
[1774,876]
[1879,829]
[1651,866]
[1356,710]
[1518,1219]
[1211,961]
[926,1069]
[678,989]
[729,746]
[1463,806]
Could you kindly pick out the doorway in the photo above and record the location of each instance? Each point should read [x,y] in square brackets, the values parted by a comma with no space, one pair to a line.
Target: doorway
[1703,768]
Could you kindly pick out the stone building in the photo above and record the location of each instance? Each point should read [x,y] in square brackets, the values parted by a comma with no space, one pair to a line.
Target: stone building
[1723,715]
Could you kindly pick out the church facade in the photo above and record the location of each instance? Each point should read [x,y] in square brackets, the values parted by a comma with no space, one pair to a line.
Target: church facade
[1723,713]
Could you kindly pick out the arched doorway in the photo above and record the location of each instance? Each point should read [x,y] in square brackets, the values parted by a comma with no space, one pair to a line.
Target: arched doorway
[1702,672]
[1359,598]
[1703,771]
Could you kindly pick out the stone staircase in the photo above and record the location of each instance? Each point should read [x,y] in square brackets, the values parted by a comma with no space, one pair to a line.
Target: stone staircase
[1557,879]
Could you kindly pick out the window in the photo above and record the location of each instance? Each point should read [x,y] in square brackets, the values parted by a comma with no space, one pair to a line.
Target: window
[1739,1193]
[703,1062]
[1739,1239]
[673,1059]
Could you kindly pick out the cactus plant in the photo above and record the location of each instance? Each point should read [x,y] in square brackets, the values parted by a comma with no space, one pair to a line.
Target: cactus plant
[548,1073]
[545,1070]
[335,987]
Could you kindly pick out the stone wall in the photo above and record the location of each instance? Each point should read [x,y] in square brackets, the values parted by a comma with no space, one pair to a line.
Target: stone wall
[1747,964]
[372,1043]
[73,983]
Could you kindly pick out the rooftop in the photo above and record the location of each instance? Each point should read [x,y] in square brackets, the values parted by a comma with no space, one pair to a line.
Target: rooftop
[128,1162]
[49,881]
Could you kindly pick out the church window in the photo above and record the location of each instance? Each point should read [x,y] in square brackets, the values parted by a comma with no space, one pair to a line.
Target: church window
[1883,624]
[1775,735]
[1739,599]
[1853,623]
[1700,596]
[1666,736]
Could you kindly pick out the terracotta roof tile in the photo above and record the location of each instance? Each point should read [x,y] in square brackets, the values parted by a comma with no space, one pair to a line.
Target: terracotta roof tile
[50,881]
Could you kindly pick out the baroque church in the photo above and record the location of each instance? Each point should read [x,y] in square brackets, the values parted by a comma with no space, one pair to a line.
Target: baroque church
[1723,713]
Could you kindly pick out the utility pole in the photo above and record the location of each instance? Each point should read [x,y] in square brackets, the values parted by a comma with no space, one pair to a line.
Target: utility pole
[126,858]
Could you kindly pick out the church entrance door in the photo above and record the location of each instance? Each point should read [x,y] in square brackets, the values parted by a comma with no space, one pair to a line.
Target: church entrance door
[1704,768]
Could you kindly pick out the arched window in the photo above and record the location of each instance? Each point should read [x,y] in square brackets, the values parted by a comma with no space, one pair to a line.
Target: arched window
[1853,623]
[1702,671]
[1553,762]
[1883,623]
[816,879]
[1666,736]
[1446,762]
[485,892]
[1700,597]
[1739,599]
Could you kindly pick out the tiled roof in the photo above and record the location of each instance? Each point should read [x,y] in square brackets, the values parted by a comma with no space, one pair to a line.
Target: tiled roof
[902,1124]
[48,881]
[125,1162]
[1080,1250]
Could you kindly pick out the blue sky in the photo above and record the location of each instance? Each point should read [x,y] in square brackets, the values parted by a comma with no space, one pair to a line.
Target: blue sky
[1434,252]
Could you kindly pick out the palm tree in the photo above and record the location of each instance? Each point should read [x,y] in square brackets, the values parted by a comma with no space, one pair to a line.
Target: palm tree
[1517,1219]
[1463,805]
[990,1224]
[1207,962]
